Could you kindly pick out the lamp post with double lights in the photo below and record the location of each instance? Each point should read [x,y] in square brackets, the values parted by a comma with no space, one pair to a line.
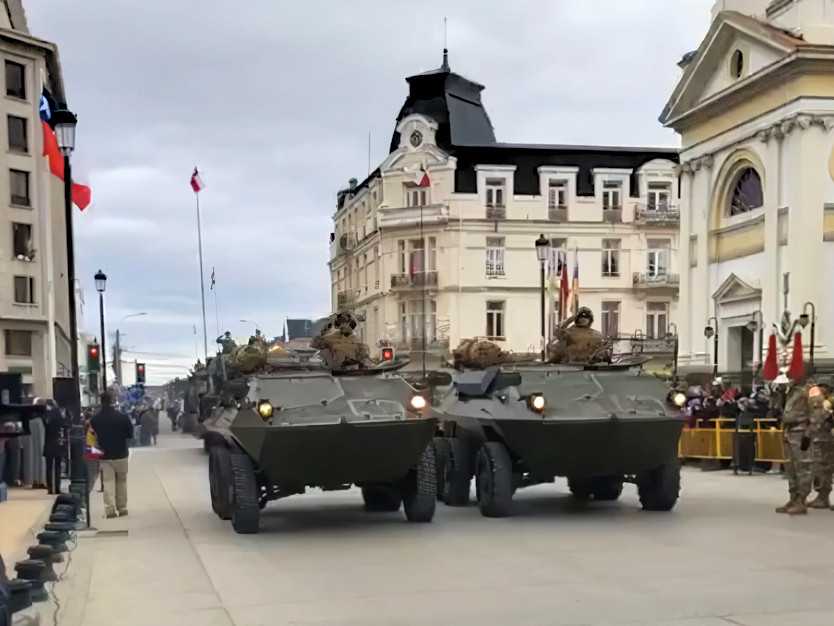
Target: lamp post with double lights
[710,331]
[803,321]
[101,283]
[543,252]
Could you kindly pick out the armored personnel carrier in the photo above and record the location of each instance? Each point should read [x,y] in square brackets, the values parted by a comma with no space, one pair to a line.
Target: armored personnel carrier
[306,421]
[600,425]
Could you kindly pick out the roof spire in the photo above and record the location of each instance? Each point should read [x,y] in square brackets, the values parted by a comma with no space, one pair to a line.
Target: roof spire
[445,65]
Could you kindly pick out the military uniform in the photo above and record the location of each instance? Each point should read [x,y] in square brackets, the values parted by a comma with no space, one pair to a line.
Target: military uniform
[338,345]
[579,343]
[796,425]
[822,450]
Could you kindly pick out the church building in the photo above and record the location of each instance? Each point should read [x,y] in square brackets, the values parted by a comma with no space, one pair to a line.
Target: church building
[755,110]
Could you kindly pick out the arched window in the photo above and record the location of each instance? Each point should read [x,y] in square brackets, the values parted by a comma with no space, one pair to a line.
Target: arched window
[747,192]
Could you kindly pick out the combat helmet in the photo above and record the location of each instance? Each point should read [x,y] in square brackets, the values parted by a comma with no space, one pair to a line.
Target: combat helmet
[586,313]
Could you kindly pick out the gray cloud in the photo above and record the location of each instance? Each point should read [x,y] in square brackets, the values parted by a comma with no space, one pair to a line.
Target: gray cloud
[274,101]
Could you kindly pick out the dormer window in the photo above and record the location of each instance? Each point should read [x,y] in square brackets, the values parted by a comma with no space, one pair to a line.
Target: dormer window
[557,197]
[611,196]
[658,196]
[495,193]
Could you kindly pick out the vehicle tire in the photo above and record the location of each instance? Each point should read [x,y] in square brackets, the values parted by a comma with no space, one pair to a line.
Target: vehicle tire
[659,488]
[441,458]
[607,488]
[380,499]
[420,492]
[220,472]
[245,512]
[494,480]
[457,478]
[580,488]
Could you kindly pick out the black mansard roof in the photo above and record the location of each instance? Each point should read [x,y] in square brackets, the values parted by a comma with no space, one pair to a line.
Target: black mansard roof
[529,157]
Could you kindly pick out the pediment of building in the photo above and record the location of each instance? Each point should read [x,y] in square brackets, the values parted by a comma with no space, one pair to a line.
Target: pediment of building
[735,289]
[736,53]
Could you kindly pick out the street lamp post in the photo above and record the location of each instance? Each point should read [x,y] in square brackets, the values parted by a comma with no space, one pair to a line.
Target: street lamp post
[101,283]
[117,351]
[803,321]
[65,122]
[251,322]
[710,331]
[675,352]
[758,318]
[542,252]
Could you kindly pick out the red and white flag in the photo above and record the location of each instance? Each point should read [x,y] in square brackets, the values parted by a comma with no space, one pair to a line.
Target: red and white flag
[196,182]
[420,177]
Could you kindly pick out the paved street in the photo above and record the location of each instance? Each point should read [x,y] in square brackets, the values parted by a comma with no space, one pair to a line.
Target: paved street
[722,557]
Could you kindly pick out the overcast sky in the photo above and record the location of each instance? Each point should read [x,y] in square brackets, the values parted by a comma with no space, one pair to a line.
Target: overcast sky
[274,100]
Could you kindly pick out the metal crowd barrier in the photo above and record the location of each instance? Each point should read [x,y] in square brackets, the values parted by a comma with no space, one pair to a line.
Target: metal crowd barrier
[715,441]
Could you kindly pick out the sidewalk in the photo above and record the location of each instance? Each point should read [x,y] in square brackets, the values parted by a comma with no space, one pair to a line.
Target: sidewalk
[25,512]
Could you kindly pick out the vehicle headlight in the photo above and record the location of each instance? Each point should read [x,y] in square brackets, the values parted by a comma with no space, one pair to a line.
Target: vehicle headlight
[679,399]
[265,409]
[418,402]
[537,403]
[827,405]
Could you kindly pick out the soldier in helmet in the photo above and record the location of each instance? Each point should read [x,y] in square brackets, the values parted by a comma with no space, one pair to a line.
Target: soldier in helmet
[579,342]
[796,425]
[227,342]
[338,345]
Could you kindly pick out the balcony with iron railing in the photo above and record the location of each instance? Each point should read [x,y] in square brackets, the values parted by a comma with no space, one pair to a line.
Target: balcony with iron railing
[410,281]
[388,217]
[496,211]
[657,214]
[557,213]
[656,281]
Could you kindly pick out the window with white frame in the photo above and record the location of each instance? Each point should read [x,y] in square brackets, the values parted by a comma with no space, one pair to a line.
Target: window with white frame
[612,196]
[402,262]
[611,257]
[431,258]
[419,323]
[495,256]
[657,315]
[495,320]
[658,257]
[495,192]
[24,289]
[416,196]
[557,194]
[403,322]
[658,196]
[610,314]
[416,257]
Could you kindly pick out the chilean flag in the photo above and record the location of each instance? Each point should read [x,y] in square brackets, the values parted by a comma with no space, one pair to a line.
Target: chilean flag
[81,194]
[564,291]
[196,182]
[421,178]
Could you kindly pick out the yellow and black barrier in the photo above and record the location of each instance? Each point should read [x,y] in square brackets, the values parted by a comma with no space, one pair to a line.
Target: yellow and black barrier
[715,440]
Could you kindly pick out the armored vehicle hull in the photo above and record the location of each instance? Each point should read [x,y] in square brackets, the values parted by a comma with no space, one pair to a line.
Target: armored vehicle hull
[303,429]
[597,426]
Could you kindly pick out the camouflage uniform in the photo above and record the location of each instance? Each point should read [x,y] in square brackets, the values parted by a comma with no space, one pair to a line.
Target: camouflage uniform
[338,345]
[822,450]
[796,425]
[579,343]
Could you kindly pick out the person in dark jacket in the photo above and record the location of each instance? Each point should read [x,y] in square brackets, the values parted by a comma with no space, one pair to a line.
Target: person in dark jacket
[113,430]
[56,426]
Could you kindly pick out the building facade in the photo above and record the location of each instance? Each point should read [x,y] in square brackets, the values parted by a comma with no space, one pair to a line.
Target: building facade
[34,310]
[438,244]
[755,112]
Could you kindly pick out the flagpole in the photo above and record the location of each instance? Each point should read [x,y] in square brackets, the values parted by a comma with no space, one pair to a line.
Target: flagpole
[216,310]
[202,282]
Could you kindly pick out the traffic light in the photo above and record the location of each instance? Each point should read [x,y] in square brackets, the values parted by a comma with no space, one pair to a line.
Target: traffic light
[93,358]
[140,373]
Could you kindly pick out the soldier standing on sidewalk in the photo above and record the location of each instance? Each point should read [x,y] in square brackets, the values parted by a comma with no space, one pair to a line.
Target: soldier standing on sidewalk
[796,425]
[822,448]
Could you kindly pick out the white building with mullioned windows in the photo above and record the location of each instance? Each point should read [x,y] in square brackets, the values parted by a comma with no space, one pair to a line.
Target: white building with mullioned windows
[452,256]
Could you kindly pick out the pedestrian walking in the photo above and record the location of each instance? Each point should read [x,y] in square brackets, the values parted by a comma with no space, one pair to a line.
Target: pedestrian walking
[146,422]
[796,426]
[822,445]
[55,450]
[113,430]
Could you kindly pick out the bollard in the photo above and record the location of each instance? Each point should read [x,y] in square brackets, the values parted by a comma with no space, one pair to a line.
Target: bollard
[20,595]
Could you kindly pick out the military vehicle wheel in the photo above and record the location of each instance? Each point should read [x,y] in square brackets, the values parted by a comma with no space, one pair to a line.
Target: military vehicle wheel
[245,511]
[494,480]
[607,488]
[457,478]
[580,488]
[441,458]
[220,481]
[381,499]
[420,492]
[659,488]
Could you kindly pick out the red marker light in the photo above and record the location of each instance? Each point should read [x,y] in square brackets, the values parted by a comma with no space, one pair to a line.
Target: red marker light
[94,351]
[387,354]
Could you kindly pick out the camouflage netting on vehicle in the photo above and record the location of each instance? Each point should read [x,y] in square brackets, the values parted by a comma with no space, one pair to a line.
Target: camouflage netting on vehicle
[249,359]
[479,353]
